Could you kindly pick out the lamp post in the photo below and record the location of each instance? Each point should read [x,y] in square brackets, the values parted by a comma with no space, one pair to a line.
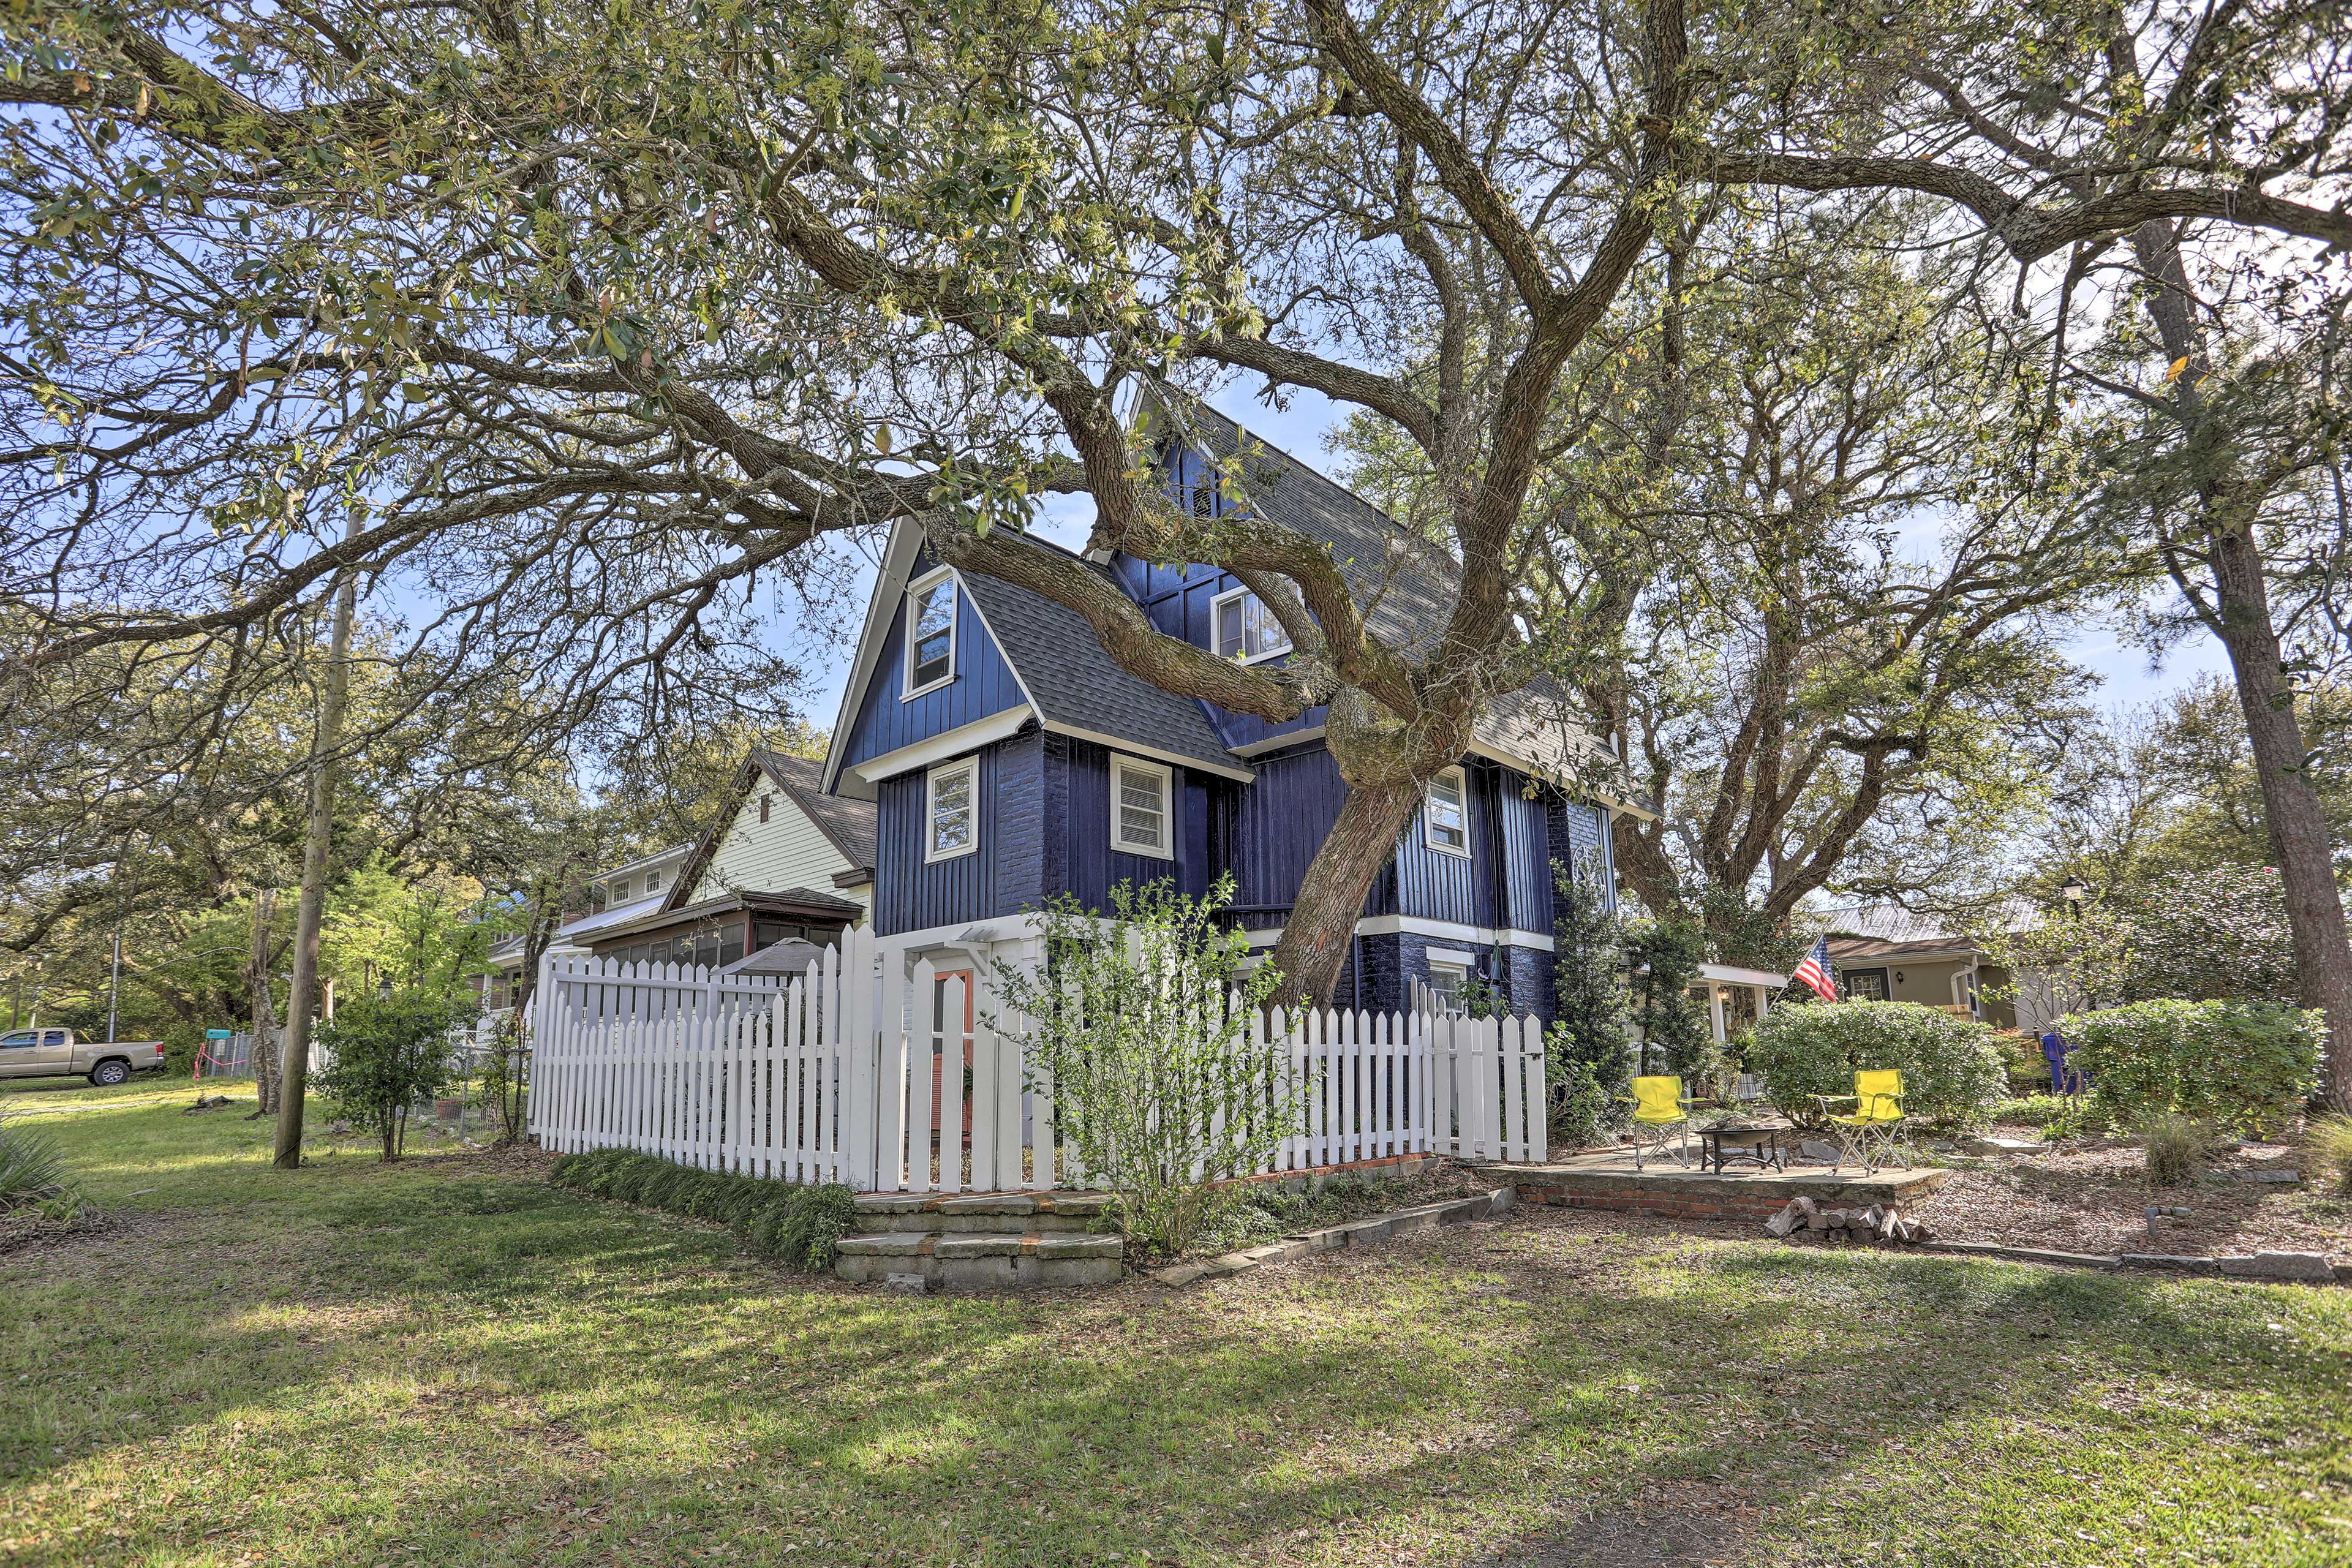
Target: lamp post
[2074,890]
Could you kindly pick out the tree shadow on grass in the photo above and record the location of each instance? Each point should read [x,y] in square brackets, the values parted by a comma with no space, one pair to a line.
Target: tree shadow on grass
[498,1372]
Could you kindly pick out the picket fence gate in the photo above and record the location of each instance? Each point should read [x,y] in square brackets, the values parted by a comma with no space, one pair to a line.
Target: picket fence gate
[846,1072]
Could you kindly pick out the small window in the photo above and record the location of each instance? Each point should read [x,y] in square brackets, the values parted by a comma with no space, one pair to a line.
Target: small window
[1449,818]
[763,808]
[1451,983]
[621,892]
[930,632]
[1140,796]
[951,816]
[653,883]
[1246,629]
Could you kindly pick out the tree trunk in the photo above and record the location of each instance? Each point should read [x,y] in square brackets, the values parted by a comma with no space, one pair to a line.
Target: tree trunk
[263,1006]
[316,842]
[2298,830]
[1322,924]
[2241,620]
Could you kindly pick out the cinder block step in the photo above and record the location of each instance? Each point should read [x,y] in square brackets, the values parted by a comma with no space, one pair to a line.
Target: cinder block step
[1003,1213]
[954,1261]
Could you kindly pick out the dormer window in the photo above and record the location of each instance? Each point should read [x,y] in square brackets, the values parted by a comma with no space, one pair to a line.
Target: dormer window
[621,892]
[1244,628]
[930,632]
[653,883]
[1448,812]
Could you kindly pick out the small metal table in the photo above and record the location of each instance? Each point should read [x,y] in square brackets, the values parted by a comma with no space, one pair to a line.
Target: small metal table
[1742,1140]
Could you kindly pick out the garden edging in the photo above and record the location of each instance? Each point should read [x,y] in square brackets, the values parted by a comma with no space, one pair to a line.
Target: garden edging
[2267,1267]
[1332,1238]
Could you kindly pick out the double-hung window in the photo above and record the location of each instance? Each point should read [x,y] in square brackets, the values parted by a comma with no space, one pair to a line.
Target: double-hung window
[952,810]
[1142,801]
[930,632]
[1244,628]
[1448,813]
[1450,984]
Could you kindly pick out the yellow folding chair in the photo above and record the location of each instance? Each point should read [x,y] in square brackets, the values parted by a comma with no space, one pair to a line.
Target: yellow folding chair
[1871,1133]
[1660,1110]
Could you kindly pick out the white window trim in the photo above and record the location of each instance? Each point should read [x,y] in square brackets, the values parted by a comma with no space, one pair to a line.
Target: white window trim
[1467,971]
[1167,850]
[908,690]
[932,854]
[1216,608]
[1429,813]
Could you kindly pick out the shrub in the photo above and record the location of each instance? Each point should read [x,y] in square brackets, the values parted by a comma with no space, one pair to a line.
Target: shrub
[1139,1024]
[2174,1144]
[1950,1065]
[799,1226]
[2247,1066]
[384,1056]
[31,1170]
[2328,1142]
[1584,1112]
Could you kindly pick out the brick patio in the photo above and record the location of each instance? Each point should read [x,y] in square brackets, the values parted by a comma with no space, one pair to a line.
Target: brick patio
[1609,1181]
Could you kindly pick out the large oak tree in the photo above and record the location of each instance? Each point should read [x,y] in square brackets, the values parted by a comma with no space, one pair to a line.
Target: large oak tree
[595,314]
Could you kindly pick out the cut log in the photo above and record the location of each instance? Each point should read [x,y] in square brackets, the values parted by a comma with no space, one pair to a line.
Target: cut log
[1787,1220]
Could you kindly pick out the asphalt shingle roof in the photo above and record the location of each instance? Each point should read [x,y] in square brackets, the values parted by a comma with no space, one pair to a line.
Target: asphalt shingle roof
[1410,583]
[1074,682]
[849,823]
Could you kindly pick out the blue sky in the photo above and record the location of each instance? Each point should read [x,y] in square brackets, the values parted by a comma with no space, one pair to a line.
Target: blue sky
[1299,430]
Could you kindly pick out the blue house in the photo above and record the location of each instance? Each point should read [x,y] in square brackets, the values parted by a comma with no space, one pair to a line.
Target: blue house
[1011,760]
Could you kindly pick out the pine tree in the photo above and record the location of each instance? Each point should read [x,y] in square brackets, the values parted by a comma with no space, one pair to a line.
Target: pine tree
[1665,957]
[1587,1045]
[1589,974]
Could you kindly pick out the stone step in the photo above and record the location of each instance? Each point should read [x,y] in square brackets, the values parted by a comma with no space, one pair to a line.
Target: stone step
[981,1261]
[994,1213]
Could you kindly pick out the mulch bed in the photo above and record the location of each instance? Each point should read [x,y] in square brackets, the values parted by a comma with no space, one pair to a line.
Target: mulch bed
[2092,1196]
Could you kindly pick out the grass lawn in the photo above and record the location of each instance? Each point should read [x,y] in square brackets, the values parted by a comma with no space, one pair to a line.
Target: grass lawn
[448,1362]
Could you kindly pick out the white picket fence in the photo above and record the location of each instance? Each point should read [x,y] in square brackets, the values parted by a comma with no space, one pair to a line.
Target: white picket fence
[845,1073]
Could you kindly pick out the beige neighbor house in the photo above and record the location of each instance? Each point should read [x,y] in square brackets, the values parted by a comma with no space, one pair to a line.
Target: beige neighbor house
[782,863]
[1894,955]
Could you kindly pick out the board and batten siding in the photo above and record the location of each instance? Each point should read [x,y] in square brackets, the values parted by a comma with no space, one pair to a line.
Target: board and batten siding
[1004,876]
[784,852]
[984,684]
[1200,804]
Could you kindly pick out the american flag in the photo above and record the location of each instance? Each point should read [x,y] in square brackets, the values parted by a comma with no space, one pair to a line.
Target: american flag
[1815,970]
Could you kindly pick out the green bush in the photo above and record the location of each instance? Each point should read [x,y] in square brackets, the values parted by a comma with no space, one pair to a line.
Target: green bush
[2247,1066]
[794,1225]
[1162,1091]
[1951,1067]
[1584,1113]
[384,1055]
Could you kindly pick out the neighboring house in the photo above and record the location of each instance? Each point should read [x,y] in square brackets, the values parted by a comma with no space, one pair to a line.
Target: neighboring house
[1010,760]
[617,898]
[781,862]
[1889,953]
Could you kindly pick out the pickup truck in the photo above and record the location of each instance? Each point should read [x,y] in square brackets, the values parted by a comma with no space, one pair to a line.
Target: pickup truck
[60,1053]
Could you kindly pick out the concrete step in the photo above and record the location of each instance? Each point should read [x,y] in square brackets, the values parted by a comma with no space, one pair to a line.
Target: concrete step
[990,1213]
[981,1261]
